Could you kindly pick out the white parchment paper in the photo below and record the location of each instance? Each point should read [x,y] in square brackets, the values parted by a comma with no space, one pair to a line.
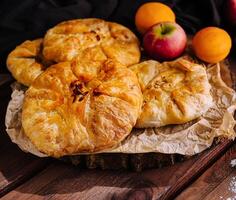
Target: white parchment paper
[186,139]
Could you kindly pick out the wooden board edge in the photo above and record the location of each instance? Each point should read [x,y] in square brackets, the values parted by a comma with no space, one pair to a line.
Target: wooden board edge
[36,168]
[198,168]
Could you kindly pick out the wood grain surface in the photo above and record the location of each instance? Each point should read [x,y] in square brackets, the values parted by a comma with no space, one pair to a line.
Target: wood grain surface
[216,182]
[63,181]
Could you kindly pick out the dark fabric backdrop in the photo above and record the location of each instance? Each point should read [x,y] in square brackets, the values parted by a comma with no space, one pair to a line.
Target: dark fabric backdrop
[29,19]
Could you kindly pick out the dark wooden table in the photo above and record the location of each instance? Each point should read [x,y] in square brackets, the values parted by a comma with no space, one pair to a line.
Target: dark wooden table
[208,175]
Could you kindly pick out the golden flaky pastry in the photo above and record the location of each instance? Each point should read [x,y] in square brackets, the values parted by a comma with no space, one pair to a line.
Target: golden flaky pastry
[174,92]
[67,39]
[64,115]
[25,63]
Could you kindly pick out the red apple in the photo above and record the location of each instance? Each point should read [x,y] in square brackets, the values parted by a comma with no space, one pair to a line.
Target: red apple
[230,11]
[165,41]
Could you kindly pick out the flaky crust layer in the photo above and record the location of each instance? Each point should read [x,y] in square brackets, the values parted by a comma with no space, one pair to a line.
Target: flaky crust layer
[63,114]
[24,62]
[174,92]
[67,39]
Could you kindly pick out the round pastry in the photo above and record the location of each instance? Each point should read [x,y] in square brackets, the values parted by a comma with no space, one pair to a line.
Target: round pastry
[67,39]
[25,61]
[174,92]
[63,114]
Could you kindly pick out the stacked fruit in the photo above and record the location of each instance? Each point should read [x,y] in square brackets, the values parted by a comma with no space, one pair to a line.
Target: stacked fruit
[164,39]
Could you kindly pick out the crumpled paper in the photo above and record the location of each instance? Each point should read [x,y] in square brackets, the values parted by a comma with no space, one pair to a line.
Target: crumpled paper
[186,139]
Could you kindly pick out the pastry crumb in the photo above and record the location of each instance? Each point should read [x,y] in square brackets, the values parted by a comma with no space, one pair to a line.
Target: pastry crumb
[233,163]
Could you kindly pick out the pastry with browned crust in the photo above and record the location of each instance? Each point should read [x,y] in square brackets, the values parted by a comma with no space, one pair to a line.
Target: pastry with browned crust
[24,61]
[64,114]
[67,39]
[174,92]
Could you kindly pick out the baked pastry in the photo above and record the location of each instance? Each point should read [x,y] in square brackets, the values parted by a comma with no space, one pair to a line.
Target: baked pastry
[25,63]
[174,92]
[64,41]
[63,114]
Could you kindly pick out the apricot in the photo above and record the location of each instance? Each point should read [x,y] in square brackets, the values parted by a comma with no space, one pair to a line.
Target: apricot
[212,44]
[152,13]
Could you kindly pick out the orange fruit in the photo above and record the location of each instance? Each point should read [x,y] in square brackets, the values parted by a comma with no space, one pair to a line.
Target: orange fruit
[152,13]
[211,44]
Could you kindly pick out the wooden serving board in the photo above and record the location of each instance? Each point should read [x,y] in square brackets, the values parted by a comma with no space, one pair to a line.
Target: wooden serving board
[23,176]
